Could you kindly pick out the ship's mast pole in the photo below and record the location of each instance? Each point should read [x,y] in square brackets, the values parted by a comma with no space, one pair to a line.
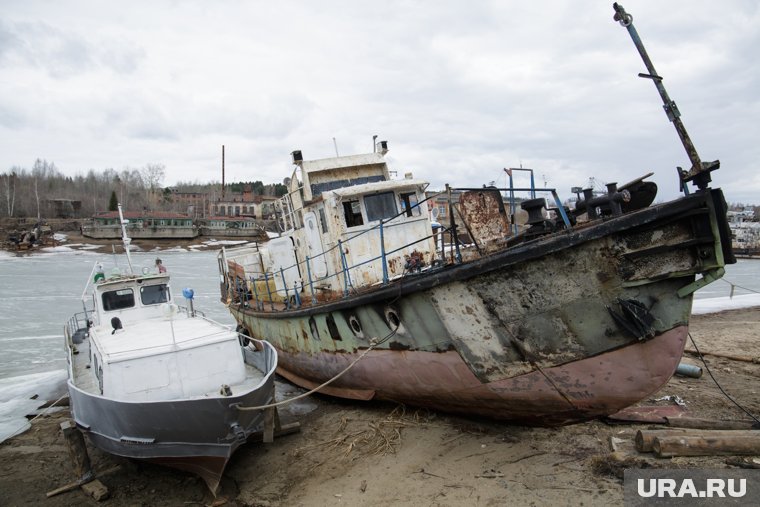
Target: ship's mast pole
[700,171]
[125,239]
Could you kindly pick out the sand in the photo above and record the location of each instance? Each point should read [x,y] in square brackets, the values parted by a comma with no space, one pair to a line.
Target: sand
[351,453]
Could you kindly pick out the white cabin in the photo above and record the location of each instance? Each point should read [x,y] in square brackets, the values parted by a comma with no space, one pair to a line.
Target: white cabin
[341,212]
[143,349]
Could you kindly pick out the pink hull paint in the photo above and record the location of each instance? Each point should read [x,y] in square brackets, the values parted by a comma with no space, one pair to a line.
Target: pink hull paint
[572,392]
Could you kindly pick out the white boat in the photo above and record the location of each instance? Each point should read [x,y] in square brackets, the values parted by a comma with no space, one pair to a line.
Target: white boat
[150,380]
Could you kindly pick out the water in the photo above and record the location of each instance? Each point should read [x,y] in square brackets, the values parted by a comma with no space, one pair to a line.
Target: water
[40,292]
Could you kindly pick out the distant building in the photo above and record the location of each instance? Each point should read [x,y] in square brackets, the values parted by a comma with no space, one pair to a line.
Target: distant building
[237,204]
[142,225]
[232,227]
[194,203]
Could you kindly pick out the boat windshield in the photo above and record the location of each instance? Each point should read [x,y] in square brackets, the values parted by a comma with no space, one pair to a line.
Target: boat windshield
[154,294]
[118,299]
[380,206]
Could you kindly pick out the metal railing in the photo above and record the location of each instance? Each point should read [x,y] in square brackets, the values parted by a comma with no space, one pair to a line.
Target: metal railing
[239,291]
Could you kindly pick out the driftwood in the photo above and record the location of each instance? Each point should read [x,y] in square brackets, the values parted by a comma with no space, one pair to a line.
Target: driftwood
[644,439]
[708,424]
[739,444]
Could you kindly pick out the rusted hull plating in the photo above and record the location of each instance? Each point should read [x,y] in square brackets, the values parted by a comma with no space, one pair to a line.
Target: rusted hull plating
[563,394]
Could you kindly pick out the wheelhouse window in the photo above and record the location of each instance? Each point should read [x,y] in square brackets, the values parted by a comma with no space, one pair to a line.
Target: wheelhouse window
[409,205]
[118,299]
[352,211]
[380,206]
[154,294]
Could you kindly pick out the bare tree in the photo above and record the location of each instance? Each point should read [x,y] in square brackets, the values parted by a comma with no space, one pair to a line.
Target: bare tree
[10,189]
[153,174]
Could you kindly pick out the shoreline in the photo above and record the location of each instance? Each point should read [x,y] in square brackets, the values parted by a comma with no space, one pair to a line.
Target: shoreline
[377,453]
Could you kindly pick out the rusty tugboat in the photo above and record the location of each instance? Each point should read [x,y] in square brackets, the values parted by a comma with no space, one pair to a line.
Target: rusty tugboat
[582,313]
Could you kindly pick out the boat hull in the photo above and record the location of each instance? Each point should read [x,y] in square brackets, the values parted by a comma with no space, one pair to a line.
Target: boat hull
[567,327]
[198,435]
[579,390]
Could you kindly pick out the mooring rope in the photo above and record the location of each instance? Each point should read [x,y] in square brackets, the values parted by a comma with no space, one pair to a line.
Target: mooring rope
[374,342]
[718,384]
[734,286]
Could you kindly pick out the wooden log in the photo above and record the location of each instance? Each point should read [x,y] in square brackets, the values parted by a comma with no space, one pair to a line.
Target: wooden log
[708,424]
[697,445]
[77,450]
[644,439]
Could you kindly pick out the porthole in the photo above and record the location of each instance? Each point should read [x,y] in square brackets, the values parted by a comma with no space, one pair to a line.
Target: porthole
[392,318]
[356,326]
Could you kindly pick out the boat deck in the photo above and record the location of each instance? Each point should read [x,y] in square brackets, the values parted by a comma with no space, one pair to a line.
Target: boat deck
[84,377]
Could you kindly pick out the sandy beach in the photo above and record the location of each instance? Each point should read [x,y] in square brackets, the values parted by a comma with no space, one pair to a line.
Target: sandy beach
[383,454]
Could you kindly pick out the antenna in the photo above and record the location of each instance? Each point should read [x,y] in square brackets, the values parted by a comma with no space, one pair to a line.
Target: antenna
[222,172]
[125,239]
[699,174]
[335,143]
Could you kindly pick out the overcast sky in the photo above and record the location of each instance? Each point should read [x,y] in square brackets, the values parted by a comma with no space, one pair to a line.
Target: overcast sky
[459,89]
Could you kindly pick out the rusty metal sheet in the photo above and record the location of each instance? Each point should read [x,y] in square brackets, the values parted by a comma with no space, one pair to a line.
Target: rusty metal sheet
[485,218]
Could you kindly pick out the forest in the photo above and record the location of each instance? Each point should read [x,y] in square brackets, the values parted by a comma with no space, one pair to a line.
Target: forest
[29,193]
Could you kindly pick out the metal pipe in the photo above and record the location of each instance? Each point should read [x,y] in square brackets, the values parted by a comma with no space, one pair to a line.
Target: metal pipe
[311,282]
[285,286]
[344,264]
[689,370]
[382,254]
[269,291]
[256,294]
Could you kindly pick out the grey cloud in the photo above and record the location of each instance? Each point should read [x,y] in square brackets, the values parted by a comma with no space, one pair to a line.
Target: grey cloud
[62,53]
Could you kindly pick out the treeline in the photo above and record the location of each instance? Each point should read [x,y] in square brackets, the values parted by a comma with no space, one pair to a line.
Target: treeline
[31,193]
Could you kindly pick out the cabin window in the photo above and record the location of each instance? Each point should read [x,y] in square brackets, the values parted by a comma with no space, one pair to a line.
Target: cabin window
[118,299]
[408,203]
[154,294]
[353,213]
[380,206]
